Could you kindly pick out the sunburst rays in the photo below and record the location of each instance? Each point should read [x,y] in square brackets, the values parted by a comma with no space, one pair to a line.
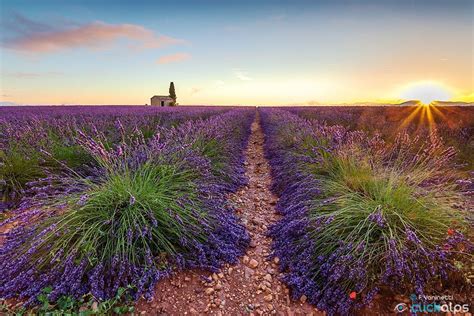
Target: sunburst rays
[425,115]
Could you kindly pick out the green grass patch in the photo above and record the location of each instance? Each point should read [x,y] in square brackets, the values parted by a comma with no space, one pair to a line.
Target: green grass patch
[128,214]
[16,169]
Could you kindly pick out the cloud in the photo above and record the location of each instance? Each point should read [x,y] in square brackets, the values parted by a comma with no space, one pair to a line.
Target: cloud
[173,58]
[242,75]
[195,90]
[36,37]
[33,74]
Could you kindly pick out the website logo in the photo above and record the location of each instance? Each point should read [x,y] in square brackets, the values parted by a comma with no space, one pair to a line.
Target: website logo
[401,307]
[431,304]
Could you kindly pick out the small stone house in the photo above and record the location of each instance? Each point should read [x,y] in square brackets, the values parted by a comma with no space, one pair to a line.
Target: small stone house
[161,100]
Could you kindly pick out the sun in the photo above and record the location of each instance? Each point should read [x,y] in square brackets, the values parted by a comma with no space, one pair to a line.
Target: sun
[426,92]
[427,111]
[426,102]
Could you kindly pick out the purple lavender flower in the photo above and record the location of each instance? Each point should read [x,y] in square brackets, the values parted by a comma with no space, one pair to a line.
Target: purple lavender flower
[83,200]
[377,218]
[132,200]
[411,236]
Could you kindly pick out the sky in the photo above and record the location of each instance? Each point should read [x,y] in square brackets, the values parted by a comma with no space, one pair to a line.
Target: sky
[245,52]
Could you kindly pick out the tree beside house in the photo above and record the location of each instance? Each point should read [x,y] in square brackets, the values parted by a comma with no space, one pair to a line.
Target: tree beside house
[172,92]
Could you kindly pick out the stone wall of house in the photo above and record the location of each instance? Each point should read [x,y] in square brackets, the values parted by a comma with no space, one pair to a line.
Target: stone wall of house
[156,101]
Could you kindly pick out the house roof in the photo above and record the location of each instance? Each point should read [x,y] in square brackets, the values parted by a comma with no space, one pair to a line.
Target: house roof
[161,96]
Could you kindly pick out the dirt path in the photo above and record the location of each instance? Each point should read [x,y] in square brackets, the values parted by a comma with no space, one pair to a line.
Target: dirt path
[251,287]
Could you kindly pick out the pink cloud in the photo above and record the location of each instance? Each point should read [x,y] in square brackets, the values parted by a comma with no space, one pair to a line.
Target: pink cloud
[173,58]
[32,74]
[91,35]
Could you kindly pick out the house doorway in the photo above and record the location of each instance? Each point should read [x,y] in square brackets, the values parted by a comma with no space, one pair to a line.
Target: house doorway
[162,103]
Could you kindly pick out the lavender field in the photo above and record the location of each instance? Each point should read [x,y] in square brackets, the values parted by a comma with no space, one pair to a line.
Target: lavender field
[234,210]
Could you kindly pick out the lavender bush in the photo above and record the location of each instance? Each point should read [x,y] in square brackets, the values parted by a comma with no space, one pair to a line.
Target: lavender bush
[26,132]
[152,205]
[452,123]
[360,214]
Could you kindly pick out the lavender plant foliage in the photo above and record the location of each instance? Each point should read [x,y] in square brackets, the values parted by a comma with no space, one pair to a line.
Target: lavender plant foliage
[26,133]
[48,246]
[328,250]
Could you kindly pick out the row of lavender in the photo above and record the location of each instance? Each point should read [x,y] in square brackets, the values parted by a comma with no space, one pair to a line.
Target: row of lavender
[360,215]
[145,207]
[452,123]
[26,133]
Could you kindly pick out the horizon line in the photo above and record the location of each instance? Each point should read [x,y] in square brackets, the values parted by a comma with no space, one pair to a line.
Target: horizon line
[362,103]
